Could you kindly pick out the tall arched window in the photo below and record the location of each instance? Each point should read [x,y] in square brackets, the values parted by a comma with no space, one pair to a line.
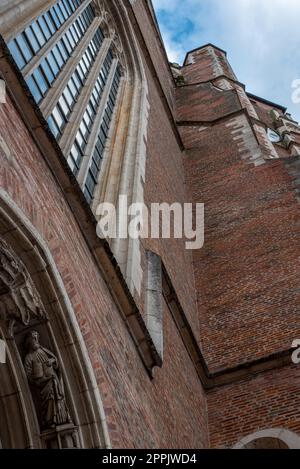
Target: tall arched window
[67,57]
[82,61]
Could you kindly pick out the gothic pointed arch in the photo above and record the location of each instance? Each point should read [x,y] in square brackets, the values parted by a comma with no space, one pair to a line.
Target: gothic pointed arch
[47,367]
[272,438]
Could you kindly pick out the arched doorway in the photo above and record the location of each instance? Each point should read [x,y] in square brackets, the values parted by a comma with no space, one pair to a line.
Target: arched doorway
[49,397]
[276,438]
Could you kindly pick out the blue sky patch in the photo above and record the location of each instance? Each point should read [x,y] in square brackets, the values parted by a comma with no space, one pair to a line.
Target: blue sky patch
[262,38]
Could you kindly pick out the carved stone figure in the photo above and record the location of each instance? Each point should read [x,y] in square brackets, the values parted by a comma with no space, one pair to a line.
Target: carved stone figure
[19,300]
[43,373]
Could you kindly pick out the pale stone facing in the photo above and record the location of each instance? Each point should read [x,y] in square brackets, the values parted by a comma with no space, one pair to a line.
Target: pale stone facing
[2,351]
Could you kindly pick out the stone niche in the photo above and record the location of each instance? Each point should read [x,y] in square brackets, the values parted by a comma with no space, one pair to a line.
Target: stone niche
[33,355]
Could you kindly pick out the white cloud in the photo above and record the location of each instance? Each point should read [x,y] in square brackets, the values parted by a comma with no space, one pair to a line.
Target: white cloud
[262,38]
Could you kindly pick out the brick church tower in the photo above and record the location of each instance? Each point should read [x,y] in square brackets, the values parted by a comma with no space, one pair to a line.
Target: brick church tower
[141,343]
[247,273]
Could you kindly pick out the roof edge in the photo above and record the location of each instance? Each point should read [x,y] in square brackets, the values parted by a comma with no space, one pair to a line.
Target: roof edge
[266,101]
[209,44]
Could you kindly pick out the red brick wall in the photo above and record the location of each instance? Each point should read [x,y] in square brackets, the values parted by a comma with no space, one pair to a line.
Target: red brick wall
[269,400]
[247,274]
[205,103]
[264,112]
[205,64]
[165,183]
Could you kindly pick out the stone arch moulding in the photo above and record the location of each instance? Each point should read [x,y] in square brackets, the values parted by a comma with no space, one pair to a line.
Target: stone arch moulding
[287,438]
[124,166]
[34,306]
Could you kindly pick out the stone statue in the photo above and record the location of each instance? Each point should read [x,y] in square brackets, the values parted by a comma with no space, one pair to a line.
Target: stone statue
[20,302]
[43,373]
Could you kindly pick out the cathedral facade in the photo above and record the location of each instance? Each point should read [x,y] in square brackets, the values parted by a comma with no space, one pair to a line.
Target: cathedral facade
[139,342]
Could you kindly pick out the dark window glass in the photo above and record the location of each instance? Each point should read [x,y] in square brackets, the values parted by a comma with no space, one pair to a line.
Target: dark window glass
[93,102]
[80,141]
[89,55]
[63,51]
[41,81]
[34,89]
[102,136]
[97,157]
[38,33]
[47,71]
[24,47]
[67,7]
[50,23]
[80,26]
[90,183]
[80,74]
[83,67]
[76,154]
[15,51]
[58,56]
[73,89]
[67,44]
[105,128]
[57,115]
[84,20]
[53,127]
[71,5]
[32,39]
[59,14]
[87,59]
[96,98]
[92,50]
[70,39]
[63,10]
[90,109]
[44,27]
[87,119]
[84,130]
[94,170]
[74,33]
[110,104]
[64,107]
[55,17]
[88,196]
[72,165]
[108,112]
[68,96]
[99,147]
[53,63]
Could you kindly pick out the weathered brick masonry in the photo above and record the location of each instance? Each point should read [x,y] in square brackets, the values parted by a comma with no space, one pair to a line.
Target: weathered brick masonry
[247,274]
[269,400]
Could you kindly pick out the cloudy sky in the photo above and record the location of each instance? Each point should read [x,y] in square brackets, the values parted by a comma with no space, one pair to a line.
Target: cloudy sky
[262,38]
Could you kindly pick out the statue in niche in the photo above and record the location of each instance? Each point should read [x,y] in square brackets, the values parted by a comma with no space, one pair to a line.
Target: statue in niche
[42,370]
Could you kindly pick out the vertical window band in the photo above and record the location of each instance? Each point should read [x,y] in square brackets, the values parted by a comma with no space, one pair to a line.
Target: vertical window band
[52,65]
[74,87]
[98,153]
[85,127]
[28,44]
